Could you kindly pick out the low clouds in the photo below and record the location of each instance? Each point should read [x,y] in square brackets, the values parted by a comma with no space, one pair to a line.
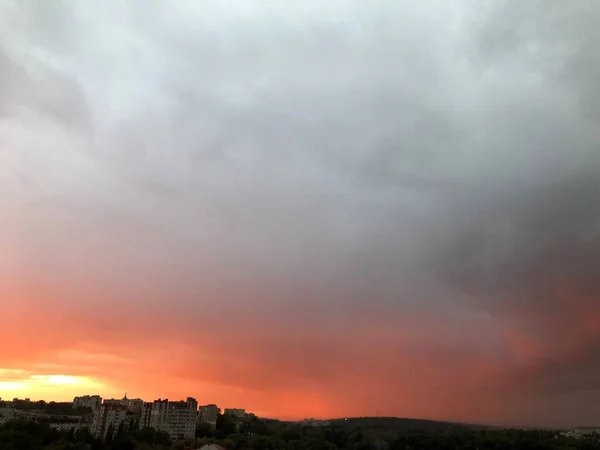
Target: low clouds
[390,195]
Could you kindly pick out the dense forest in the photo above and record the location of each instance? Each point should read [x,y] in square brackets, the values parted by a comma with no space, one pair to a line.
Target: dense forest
[259,434]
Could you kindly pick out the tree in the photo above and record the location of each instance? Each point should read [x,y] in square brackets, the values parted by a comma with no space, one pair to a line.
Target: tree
[204,430]
[226,425]
[151,437]
[110,432]
[122,440]
[260,442]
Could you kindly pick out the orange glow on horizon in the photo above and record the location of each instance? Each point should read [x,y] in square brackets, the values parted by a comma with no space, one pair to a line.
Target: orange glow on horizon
[51,387]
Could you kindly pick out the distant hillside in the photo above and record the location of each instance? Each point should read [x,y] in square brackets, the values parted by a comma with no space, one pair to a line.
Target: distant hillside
[397,423]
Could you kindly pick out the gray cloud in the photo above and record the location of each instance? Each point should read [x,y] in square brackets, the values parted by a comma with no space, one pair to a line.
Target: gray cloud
[312,164]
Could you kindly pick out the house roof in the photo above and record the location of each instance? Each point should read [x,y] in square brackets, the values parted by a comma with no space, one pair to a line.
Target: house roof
[212,447]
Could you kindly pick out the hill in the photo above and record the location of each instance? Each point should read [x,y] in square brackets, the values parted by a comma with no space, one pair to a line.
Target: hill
[398,423]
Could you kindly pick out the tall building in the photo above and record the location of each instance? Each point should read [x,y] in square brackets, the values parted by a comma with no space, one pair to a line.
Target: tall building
[159,415]
[87,401]
[182,419]
[177,419]
[146,415]
[208,415]
[107,419]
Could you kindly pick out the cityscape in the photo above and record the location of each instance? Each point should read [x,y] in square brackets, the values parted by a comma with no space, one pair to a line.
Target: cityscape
[105,417]
[110,423]
[299,224]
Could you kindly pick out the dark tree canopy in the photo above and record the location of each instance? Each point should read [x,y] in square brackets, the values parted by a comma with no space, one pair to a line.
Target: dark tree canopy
[258,434]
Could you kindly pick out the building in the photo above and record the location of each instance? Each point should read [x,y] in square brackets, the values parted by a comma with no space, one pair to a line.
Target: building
[182,419]
[108,418]
[177,419]
[146,415]
[581,432]
[212,447]
[208,415]
[65,426]
[87,401]
[135,405]
[117,401]
[238,413]
[315,422]
[159,415]
[7,414]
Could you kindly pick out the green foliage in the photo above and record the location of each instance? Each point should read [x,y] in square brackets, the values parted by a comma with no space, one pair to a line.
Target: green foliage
[155,438]
[259,434]
[24,435]
[52,408]
[205,430]
[226,425]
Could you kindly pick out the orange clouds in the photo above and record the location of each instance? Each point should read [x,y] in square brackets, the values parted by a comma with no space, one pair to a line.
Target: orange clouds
[278,363]
[276,368]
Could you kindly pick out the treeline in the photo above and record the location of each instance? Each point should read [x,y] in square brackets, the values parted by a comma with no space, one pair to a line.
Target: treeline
[51,408]
[30,435]
[258,434]
[384,434]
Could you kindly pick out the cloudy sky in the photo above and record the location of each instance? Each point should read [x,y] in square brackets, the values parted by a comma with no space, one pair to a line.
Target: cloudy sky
[307,209]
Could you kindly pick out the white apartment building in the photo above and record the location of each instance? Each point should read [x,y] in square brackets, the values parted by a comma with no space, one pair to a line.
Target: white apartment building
[177,419]
[87,401]
[108,417]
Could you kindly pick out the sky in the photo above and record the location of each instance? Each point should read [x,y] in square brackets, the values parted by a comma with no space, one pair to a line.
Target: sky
[304,209]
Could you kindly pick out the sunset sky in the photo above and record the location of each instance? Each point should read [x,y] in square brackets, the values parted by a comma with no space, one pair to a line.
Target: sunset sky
[304,208]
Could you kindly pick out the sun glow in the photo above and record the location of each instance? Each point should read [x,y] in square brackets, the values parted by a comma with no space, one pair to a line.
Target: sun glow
[55,386]
[57,380]
[11,385]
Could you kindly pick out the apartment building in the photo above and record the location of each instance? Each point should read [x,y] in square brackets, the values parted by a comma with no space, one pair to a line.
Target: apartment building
[208,415]
[87,401]
[146,415]
[108,418]
[176,418]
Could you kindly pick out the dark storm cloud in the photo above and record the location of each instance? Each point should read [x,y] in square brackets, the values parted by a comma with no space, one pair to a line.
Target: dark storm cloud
[527,243]
[312,165]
